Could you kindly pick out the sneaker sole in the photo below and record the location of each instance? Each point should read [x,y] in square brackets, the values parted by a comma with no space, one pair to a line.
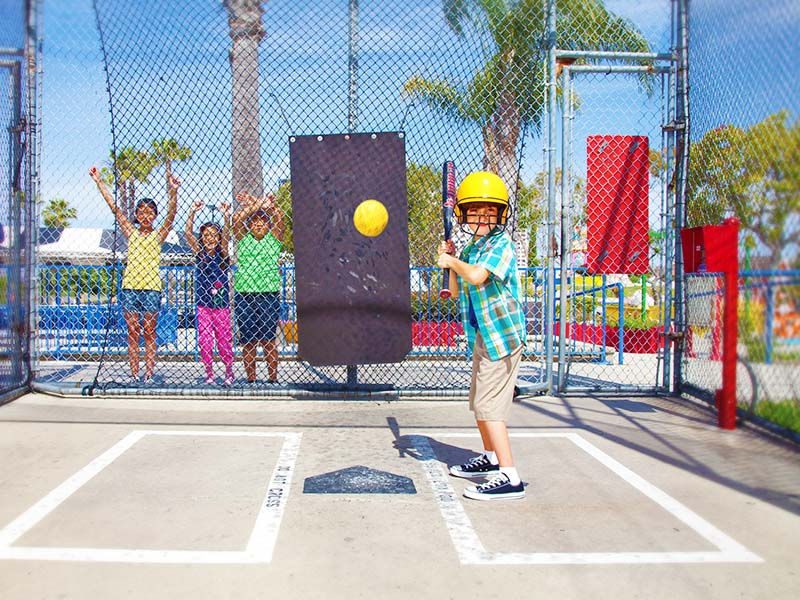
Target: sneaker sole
[471,475]
[509,496]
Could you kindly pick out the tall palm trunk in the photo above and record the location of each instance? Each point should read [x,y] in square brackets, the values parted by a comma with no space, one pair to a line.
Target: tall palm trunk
[500,137]
[246,31]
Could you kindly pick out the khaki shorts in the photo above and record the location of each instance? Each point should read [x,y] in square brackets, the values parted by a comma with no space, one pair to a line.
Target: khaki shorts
[491,391]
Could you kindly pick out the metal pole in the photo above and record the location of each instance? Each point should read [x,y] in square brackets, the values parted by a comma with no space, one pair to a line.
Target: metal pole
[609,54]
[551,192]
[352,110]
[769,323]
[352,67]
[566,201]
[32,49]
[18,315]
[620,68]
[14,265]
[726,396]
[681,166]
[669,234]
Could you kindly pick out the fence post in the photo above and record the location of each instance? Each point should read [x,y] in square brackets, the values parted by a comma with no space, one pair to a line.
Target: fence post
[621,324]
[728,257]
[682,126]
[565,216]
[550,284]
[769,322]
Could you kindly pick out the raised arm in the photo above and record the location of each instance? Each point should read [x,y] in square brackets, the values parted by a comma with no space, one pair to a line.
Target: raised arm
[247,206]
[225,208]
[173,183]
[189,230]
[270,205]
[125,225]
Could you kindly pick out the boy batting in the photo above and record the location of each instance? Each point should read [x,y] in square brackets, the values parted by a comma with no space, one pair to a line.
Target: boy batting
[485,275]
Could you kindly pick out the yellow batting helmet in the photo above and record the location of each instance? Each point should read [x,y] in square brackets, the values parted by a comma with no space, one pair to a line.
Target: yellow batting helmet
[483,187]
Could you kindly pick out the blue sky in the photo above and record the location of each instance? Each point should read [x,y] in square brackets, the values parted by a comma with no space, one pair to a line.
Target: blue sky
[743,61]
[167,91]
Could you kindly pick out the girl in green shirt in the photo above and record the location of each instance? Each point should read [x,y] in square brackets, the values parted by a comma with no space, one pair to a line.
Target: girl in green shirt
[258,230]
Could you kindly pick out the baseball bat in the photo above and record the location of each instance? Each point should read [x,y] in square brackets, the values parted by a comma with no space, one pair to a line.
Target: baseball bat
[448,201]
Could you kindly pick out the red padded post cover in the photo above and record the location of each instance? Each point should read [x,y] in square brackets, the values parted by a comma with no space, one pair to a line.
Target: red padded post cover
[617,201]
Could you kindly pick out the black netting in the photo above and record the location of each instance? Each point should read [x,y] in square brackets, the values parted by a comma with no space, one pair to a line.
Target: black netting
[212,93]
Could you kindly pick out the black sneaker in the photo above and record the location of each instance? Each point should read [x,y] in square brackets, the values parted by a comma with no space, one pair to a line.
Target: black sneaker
[479,466]
[498,487]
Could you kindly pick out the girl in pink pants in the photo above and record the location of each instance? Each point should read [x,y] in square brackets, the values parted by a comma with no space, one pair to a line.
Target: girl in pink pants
[212,291]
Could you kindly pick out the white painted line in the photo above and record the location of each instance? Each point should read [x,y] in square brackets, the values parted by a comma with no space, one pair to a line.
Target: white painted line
[262,539]
[268,522]
[129,556]
[470,549]
[606,558]
[11,532]
[733,550]
[465,539]
[196,433]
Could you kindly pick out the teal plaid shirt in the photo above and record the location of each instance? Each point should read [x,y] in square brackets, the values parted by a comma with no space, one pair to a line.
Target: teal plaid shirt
[497,302]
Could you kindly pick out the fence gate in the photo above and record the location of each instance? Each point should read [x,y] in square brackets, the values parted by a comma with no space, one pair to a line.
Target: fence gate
[613,161]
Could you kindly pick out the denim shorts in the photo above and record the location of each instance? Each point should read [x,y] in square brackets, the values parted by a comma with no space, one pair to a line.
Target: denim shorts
[140,301]
[257,316]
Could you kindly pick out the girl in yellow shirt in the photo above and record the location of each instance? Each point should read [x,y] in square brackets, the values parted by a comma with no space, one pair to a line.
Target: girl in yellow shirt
[141,284]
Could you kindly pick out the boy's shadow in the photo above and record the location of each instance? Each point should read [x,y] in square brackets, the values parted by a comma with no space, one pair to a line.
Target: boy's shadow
[409,445]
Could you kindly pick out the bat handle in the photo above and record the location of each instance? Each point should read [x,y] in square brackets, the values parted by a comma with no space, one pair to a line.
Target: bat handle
[444,292]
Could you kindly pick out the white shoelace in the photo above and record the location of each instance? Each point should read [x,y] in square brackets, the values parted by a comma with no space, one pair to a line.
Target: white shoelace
[476,461]
[494,482]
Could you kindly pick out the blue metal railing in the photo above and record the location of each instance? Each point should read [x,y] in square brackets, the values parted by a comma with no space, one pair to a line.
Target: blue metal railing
[604,321]
[78,313]
[765,283]
[768,281]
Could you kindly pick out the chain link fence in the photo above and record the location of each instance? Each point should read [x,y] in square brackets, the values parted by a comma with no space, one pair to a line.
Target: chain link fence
[147,283]
[613,209]
[745,163]
[212,92]
[617,231]
[16,151]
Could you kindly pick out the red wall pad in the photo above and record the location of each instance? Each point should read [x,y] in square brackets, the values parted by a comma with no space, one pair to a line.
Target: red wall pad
[617,200]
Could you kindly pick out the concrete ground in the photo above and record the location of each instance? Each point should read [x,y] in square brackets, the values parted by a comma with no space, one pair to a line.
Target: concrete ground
[626,498]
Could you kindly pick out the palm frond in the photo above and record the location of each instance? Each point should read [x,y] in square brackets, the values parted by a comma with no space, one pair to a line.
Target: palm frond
[456,12]
[588,25]
[440,95]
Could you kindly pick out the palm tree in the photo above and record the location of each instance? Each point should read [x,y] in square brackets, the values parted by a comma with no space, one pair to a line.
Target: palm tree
[246,31]
[507,92]
[167,150]
[58,213]
[132,166]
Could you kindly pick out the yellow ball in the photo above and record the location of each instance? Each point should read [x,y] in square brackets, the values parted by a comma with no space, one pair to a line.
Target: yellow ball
[370,218]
